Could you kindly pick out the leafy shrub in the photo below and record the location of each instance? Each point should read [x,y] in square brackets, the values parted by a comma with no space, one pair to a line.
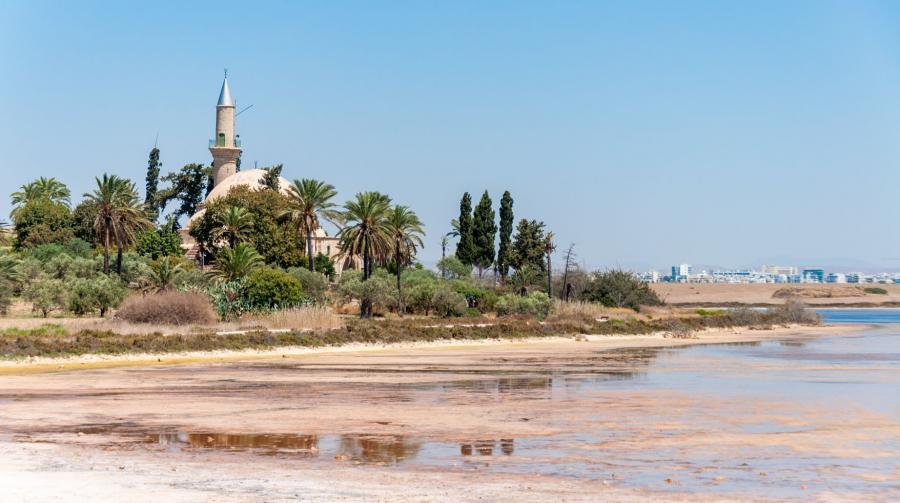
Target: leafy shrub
[710,312]
[269,288]
[536,304]
[168,308]
[46,295]
[447,302]
[96,294]
[617,288]
[483,299]
[314,284]
[378,289]
[875,290]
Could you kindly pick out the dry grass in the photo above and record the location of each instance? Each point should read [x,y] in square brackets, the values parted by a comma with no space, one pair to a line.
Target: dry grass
[593,311]
[301,318]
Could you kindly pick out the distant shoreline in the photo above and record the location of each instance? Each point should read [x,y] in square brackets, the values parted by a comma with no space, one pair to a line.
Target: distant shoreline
[696,295]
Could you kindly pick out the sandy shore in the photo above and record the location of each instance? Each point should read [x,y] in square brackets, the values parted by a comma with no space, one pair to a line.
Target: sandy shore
[44,364]
[762,294]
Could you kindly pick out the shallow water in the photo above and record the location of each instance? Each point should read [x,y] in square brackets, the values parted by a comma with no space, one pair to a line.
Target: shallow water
[790,418]
[774,418]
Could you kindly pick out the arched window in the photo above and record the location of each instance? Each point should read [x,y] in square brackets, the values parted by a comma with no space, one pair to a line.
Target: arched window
[221,140]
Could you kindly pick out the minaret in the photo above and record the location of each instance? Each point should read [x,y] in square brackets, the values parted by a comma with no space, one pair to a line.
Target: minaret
[226,147]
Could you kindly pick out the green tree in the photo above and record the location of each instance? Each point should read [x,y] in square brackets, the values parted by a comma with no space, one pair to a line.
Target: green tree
[274,237]
[270,179]
[308,200]
[405,232]
[365,234]
[324,265]
[95,294]
[465,248]
[41,221]
[153,166]
[8,279]
[528,245]
[235,263]
[484,232]
[159,242]
[46,295]
[187,186]
[119,215]
[452,268]
[83,217]
[504,253]
[234,224]
[49,189]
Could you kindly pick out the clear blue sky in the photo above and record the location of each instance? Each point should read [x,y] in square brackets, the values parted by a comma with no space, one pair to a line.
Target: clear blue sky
[648,133]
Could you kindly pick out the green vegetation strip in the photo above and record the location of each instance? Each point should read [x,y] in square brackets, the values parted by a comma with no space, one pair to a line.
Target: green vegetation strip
[52,341]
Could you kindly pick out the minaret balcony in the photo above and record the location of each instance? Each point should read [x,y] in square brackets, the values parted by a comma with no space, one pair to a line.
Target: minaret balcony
[220,142]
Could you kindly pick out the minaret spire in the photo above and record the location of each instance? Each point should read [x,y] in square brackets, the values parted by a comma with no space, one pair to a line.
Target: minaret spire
[226,146]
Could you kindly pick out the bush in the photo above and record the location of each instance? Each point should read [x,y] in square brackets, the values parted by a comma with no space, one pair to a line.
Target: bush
[875,290]
[536,304]
[617,288]
[446,302]
[228,299]
[483,299]
[168,308]
[314,284]
[323,264]
[794,311]
[269,288]
[97,294]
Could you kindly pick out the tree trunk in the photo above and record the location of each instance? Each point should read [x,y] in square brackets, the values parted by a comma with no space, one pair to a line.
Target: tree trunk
[106,251]
[400,308]
[309,247]
[119,255]
[366,304]
[549,277]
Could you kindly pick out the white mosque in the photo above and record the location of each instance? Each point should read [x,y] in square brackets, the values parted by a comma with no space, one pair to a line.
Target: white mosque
[226,149]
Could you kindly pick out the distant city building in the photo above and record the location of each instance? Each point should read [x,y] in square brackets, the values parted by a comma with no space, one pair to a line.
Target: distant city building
[813,275]
[681,272]
[649,276]
[779,269]
[836,277]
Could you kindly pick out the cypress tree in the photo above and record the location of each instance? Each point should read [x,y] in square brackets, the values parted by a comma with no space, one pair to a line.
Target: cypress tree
[484,231]
[153,166]
[506,228]
[465,249]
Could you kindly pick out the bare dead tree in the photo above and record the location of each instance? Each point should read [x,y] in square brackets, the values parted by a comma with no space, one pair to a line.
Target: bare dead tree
[570,262]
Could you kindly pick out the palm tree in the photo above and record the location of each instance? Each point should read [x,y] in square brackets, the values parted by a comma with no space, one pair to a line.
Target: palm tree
[549,248]
[120,214]
[233,225]
[163,275]
[364,233]
[8,265]
[50,189]
[405,232]
[454,229]
[523,278]
[235,263]
[308,200]
[132,218]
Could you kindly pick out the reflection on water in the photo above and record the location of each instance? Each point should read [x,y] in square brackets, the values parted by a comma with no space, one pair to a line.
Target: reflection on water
[378,448]
[487,447]
[238,441]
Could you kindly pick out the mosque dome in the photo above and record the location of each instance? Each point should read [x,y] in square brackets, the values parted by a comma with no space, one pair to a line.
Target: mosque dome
[251,178]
